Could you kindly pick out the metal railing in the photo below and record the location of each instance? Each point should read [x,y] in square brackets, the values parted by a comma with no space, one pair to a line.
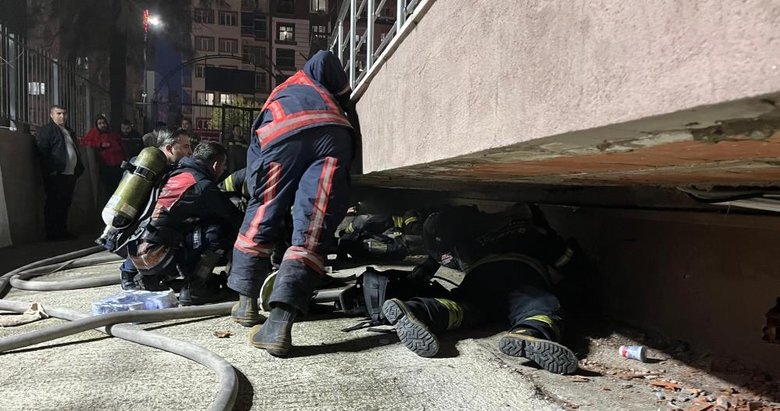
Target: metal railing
[31,81]
[367,32]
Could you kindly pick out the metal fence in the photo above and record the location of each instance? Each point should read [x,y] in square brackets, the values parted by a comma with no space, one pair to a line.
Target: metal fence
[211,122]
[31,81]
[368,31]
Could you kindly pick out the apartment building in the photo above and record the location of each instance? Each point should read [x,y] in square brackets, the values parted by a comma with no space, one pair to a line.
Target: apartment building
[244,48]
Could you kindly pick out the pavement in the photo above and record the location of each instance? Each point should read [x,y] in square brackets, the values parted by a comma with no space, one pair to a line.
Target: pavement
[335,370]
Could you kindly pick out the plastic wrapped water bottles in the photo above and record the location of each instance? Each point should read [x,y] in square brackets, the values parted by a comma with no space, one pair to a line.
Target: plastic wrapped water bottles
[135,300]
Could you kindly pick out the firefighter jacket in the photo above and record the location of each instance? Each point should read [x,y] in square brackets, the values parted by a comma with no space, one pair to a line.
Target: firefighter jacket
[189,198]
[305,100]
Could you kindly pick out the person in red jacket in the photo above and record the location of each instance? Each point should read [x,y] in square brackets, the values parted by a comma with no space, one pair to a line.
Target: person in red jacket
[110,153]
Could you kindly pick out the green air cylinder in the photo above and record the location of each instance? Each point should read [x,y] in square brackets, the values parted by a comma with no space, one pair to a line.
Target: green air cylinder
[133,191]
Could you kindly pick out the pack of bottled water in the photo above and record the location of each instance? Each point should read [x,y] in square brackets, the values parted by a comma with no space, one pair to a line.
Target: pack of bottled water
[135,300]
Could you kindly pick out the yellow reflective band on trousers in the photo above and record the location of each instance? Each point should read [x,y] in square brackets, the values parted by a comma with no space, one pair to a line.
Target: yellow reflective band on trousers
[410,220]
[398,222]
[454,310]
[547,320]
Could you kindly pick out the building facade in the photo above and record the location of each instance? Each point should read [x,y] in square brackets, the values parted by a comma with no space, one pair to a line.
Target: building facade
[242,49]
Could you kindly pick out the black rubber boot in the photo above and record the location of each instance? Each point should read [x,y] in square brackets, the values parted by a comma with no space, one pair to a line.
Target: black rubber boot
[208,292]
[246,311]
[412,332]
[275,336]
[127,281]
[531,344]
[150,283]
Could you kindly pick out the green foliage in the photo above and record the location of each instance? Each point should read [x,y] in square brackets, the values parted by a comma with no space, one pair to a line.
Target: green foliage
[235,114]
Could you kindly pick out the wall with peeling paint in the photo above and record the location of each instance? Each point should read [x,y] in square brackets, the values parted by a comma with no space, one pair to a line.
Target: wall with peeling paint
[567,76]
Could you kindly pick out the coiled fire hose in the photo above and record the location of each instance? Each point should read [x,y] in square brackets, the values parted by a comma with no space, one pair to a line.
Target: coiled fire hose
[112,323]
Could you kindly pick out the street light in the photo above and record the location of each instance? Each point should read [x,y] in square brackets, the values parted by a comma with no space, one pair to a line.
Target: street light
[153,21]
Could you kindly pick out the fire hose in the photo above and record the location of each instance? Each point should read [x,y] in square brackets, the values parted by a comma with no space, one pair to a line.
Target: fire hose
[113,324]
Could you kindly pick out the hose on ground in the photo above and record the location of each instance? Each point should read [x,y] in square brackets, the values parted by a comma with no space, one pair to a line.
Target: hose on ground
[110,323]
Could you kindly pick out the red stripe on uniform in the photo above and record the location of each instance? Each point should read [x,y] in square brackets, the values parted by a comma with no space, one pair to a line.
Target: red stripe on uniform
[269,194]
[172,192]
[310,258]
[272,131]
[324,186]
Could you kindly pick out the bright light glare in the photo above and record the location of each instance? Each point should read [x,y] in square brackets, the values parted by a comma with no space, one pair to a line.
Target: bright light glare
[155,21]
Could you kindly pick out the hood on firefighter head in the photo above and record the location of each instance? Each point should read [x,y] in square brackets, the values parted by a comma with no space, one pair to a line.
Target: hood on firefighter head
[326,69]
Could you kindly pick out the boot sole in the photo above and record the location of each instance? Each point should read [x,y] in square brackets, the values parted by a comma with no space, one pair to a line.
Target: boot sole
[275,349]
[550,355]
[246,320]
[413,333]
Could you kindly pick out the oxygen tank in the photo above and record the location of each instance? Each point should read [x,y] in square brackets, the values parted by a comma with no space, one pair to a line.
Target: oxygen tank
[133,191]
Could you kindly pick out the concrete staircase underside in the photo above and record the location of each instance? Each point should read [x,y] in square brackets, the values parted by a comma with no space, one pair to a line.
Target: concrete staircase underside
[575,93]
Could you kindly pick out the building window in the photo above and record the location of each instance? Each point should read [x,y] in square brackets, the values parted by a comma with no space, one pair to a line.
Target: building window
[203,97]
[261,28]
[281,78]
[319,32]
[202,123]
[318,6]
[203,16]
[36,88]
[261,82]
[228,18]
[248,4]
[286,32]
[199,70]
[227,99]
[229,46]
[285,6]
[253,55]
[204,43]
[248,24]
[285,58]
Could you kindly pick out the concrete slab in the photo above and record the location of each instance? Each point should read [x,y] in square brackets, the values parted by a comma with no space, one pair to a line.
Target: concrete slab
[332,370]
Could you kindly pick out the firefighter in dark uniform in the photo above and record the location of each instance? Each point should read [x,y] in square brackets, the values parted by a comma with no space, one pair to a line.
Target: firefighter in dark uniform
[299,156]
[381,236]
[511,263]
[191,228]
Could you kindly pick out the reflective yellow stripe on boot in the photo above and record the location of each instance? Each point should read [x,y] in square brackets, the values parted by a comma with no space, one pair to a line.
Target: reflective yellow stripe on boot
[455,312]
[547,320]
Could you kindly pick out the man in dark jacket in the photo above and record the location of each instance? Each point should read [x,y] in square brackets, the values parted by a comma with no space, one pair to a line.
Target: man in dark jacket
[300,154]
[191,228]
[60,165]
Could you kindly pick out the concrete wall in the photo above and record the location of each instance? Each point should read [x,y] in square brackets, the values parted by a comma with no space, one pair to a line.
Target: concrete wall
[21,193]
[485,74]
[704,278]
[699,276]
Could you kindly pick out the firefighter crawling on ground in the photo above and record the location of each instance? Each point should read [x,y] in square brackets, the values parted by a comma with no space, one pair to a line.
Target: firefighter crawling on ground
[511,264]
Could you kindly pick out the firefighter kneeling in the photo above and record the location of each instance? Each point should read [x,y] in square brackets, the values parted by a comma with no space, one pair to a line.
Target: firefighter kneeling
[191,228]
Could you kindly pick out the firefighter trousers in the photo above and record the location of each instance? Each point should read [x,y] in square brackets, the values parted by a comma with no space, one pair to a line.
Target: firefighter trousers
[310,172]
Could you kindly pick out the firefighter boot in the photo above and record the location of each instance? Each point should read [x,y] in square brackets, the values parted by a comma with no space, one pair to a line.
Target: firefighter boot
[127,281]
[201,286]
[274,335]
[535,343]
[246,311]
[416,321]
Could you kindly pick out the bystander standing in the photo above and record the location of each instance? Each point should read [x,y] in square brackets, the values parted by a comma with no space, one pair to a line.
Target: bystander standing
[61,165]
